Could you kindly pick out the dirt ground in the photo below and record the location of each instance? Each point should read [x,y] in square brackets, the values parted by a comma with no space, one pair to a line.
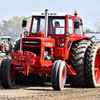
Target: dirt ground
[20,92]
[46,92]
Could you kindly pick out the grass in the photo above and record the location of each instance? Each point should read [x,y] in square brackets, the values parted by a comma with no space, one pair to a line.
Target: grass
[4,58]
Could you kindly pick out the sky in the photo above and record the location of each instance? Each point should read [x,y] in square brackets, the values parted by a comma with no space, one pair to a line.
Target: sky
[88,10]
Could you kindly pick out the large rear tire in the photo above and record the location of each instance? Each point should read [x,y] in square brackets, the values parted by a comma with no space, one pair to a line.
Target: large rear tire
[17,74]
[58,77]
[40,78]
[7,74]
[77,60]
[92,68]
[28,80]
[17,78]
[33,79]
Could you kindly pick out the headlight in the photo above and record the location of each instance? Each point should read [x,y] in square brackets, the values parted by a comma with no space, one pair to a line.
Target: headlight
[46,53]
[61,42]
[25,33]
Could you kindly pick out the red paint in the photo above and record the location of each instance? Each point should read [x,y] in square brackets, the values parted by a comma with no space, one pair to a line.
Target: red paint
[97,66]
[63,75]
[70,70]
[12,72]
[41,34]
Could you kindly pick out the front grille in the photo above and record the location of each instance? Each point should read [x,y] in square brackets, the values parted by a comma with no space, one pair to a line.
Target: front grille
[35,50]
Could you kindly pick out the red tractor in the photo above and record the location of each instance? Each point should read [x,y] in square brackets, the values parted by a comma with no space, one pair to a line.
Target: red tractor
[5,44]
[55,45]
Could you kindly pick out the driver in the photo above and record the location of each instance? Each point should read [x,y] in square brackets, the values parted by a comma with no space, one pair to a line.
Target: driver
[57,25]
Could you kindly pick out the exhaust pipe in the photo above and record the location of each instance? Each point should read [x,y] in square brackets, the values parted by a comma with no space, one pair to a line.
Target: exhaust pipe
[46,22]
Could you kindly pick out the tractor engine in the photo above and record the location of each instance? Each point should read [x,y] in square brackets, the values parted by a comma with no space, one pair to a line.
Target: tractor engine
[35,52]
[41,47]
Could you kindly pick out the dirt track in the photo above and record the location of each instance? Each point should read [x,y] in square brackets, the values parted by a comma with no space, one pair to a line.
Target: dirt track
[22,92]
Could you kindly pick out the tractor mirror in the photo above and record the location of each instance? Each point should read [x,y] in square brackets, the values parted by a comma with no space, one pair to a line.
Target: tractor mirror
[24,23]
[76,24]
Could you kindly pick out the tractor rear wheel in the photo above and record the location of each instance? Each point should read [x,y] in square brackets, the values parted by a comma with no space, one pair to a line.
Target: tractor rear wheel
[7,74]
[33,79]
[17,74]
[58,77]
[77,61]
[17,78]
[28,80]
[92,68]
[40,78]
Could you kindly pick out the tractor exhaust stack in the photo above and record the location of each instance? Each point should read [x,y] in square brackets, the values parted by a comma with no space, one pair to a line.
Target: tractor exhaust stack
[46,22]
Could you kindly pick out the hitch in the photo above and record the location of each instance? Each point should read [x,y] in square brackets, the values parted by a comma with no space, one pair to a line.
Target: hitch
[25,59]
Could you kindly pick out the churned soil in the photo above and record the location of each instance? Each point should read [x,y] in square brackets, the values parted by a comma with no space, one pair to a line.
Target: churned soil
[46,92]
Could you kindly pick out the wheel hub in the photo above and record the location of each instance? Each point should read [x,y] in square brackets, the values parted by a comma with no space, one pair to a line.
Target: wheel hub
[63,75]
[97,66]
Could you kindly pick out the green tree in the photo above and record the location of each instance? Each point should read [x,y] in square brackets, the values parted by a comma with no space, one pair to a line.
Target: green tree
[12,27]
[87,30]
[97,25]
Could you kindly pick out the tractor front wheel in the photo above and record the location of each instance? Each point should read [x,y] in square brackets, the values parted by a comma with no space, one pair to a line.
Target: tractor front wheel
[2,64]
[7,73]
[58,77]
[92,68]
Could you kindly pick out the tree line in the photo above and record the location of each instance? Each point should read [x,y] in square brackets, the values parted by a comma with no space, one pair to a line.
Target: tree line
[11,27]
[96,25]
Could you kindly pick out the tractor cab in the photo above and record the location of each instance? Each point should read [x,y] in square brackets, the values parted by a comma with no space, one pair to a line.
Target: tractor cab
[63,28]
[58,24]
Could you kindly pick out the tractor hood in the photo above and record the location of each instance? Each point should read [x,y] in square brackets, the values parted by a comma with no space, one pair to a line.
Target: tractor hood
[47,42]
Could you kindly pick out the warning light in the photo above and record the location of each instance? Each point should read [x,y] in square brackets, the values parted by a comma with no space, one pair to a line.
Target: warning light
[21,34]
[75,13]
